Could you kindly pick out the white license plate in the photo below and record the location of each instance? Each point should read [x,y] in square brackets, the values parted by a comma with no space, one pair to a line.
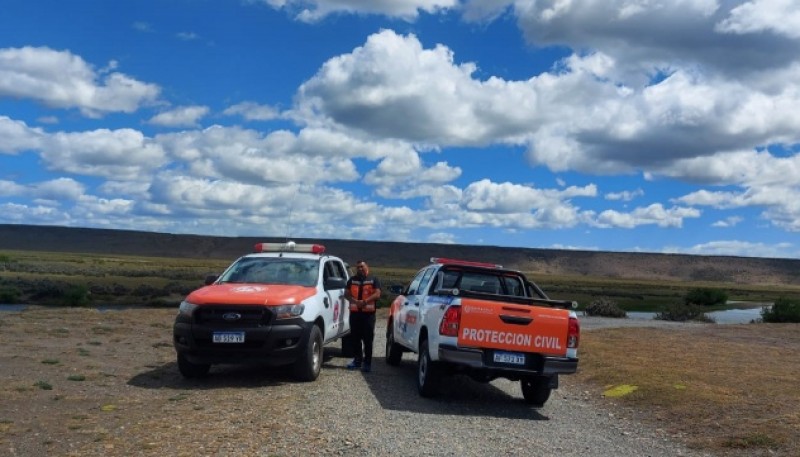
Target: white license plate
[228,337]
[509,357]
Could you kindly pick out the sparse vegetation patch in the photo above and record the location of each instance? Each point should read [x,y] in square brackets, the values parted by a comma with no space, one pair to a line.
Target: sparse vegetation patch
[705,296]
[683,312]
[605,308]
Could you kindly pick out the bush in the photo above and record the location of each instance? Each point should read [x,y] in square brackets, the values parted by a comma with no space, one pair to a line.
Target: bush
[706,297]
[783,310]
[682,313]
[76,296]
[9,295]
[604,307]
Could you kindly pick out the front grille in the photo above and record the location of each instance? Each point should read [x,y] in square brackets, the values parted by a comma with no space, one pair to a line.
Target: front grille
[251,316]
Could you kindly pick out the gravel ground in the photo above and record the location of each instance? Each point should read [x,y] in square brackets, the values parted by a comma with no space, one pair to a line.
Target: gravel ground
[382,414]
[134,402]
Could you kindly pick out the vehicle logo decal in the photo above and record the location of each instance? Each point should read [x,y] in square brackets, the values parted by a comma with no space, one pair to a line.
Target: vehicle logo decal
[230,317]
[445,300]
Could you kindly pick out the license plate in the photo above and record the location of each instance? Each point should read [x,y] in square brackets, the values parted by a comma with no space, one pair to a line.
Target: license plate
[513,358]
[229,337]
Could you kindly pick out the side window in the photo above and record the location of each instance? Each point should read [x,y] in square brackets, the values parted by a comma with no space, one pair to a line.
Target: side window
[513,286]
[333,269]
[450,279]
[426,278]
[414,286]
[338,270]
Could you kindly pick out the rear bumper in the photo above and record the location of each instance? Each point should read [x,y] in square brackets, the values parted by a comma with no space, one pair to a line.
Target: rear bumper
[482,359]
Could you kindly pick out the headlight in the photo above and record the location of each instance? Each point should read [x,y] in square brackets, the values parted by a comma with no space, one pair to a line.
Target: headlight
[288,311]
[186,308]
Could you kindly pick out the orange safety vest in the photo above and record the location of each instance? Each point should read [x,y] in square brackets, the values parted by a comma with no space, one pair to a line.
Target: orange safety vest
[362,288]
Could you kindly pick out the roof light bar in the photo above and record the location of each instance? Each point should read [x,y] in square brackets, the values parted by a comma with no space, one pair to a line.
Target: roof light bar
[289,246]
[467,263]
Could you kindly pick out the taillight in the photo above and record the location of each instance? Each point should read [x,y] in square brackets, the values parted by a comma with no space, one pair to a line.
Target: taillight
[574,333]
[450,321]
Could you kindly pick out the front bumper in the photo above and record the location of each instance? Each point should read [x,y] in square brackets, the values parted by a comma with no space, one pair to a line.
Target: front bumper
[279,343]
[483,359]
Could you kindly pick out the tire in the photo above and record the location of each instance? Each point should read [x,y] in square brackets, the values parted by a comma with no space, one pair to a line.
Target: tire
[192,370]
[309,364]
[394,352]
[536,391]
[428,372]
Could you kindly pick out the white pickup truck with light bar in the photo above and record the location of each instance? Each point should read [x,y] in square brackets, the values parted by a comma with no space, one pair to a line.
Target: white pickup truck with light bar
[277,306]
[484,321]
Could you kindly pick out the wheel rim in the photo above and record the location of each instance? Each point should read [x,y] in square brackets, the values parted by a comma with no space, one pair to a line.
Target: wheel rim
[316,357]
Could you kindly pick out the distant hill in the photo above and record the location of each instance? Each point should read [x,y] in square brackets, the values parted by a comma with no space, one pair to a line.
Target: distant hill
[676,267]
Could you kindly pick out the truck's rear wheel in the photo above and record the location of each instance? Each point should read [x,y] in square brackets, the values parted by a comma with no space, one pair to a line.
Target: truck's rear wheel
[394,352]
[428,372]
[536,390]
[309,364]
[191,370]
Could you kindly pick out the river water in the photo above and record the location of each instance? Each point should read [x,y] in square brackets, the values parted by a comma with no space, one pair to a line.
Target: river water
[729,316]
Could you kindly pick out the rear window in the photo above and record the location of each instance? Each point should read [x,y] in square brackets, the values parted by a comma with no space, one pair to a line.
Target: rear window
[483,282]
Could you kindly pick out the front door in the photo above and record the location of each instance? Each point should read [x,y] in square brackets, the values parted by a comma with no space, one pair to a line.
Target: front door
[335,312]
[410,310]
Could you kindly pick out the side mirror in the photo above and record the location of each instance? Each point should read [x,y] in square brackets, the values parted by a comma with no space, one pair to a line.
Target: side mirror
[334,282]
[211,279]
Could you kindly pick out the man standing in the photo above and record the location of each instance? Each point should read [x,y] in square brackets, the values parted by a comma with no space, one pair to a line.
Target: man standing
[363,291]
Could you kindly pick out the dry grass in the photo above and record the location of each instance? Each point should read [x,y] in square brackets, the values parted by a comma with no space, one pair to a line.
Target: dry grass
[730,389]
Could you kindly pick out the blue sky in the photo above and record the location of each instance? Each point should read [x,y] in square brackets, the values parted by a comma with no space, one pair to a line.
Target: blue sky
[616,125]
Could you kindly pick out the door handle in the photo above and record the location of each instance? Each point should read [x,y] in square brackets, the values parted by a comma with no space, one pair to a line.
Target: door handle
[515,320]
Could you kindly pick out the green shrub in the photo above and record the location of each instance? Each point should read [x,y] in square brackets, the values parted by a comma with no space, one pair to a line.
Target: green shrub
[604,307]
[44,385]
[683,312]
[76,296]
[783,310]
[9,295]
[706,297]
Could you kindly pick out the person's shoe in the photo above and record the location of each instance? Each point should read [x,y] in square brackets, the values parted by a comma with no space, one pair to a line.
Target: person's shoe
[366,368]
[355,364]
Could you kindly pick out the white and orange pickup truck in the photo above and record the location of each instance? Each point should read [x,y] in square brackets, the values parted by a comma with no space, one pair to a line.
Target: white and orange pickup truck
[485,321]
[278,306]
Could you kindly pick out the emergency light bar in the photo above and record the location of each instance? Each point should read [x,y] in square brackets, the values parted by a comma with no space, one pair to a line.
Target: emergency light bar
[289,246]
[466,263]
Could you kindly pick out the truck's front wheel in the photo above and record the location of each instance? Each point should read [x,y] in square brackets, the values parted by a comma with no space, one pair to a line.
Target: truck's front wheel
[309,363]
[393,350]
[536,390]
[191,370]
[428,372]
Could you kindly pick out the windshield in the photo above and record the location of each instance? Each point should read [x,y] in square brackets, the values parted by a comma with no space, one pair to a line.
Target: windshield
[272,270]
